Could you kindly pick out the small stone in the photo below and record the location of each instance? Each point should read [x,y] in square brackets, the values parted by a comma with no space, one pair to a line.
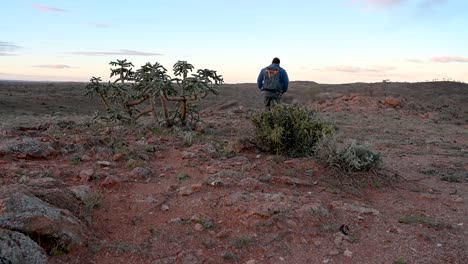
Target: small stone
[326,261]
[224,233]
[104,163]
[85,158]
[339,241]
[164,207]
[185,191]
[459,200]
[333,252]
[395,230]
[348,253]
[217,183]
[360,217]
[281,258]
[81,191]
[109,181]
[142,172]
[252,261]
[210,170]
[439,245]
[258,156]
[86,175]
[118,156]
[196,186]
[21,156]
[198,227]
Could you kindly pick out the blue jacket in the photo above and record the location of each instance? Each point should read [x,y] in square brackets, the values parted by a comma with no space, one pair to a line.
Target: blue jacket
[283,77]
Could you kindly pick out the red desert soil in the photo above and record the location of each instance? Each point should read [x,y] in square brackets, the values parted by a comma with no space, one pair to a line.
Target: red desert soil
[213,196]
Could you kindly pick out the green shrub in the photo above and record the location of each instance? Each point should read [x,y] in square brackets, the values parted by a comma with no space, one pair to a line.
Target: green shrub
[290,129]
[352,157]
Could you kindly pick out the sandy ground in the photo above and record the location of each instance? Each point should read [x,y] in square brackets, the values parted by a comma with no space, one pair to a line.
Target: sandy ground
[214,197]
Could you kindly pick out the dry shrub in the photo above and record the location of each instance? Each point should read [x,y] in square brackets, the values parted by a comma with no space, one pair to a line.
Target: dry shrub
[352,157]
[290,130]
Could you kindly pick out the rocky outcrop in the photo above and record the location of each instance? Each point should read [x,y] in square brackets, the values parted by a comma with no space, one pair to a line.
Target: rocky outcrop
[18,248]
[51,227]
[46,211]
[28,147]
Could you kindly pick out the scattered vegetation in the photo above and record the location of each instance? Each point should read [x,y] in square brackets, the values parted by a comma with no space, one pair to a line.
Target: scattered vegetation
[94,200]
[290,129]
[183,176]
[134,94]
[350,158]
[423,220]
[242,242]
[75,160]
[452,177]
[399,261]
[228,255]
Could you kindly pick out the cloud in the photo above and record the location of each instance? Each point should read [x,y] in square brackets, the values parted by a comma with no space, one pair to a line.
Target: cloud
[378,3]
[431,3]
[423,4]
[125,52]
[415,60]
[100,25]
[53,66]
[48,9]
[354,69]
[447,59]
[7,47]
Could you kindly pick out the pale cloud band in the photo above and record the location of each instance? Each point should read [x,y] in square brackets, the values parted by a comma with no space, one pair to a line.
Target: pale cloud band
[125,52]
[53,66]
[355,69]
[48,9]
[7,47]
[389,3]
[101,25]
[447,59]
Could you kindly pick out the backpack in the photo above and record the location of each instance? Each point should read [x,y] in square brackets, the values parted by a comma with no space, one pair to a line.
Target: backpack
[271,82]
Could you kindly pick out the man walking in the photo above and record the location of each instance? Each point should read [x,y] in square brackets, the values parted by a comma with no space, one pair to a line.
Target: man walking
[273,81]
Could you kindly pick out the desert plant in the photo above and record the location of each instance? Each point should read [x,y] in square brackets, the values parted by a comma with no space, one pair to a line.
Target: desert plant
[351,157]
[290,130]
[94,200]
[190,88]
[133,94]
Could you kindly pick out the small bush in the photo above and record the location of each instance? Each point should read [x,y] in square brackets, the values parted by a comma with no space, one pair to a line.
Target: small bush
[352,157]
[290,129]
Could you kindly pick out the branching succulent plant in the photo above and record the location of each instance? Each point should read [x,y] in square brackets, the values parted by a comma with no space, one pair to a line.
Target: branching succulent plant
[190,88]
[133,94]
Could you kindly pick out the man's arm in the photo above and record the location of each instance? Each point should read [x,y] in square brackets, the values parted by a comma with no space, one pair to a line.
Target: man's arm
[260,80]
[284,80]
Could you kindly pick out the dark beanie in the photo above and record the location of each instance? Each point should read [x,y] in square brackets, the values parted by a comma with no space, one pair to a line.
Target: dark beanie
[276,61]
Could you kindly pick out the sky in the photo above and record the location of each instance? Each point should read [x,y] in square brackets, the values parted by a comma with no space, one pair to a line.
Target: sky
[333,41]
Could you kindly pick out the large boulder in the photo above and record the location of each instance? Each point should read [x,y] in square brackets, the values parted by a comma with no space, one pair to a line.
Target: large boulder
[53,228]
[56,193]
[29,147]
[18,248]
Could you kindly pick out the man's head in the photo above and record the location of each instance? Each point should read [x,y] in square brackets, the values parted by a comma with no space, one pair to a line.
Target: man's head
[276,61]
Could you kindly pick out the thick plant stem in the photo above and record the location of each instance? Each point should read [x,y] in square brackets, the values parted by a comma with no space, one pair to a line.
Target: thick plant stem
[153,109]
[183,110]
[104,101]
[149,110]
[164,109]
[137,102]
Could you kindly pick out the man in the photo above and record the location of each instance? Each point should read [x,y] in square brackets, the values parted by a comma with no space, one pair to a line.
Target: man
[273,81]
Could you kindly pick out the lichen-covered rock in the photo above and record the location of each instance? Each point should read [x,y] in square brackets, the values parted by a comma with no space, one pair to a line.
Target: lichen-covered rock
[50,226]
[18,248]
[27,146]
